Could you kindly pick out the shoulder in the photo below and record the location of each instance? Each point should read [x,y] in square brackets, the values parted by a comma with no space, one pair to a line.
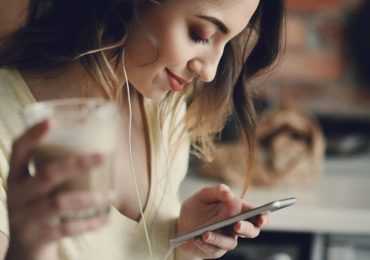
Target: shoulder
[14,95]
[13,92]
[10,83]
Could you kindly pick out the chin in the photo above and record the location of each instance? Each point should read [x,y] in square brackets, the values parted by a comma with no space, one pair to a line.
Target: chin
[154,94]
[159,96]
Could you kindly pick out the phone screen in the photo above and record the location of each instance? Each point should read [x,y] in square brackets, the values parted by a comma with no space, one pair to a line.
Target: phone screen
[269,207]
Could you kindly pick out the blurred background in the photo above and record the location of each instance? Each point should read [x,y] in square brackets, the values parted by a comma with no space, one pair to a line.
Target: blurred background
[313,139]
[326,69]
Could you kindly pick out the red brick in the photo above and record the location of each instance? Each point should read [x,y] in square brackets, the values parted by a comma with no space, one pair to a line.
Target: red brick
[314,5]
[331,31]
[311,67]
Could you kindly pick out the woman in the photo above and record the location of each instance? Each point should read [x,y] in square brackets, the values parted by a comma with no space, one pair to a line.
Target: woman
[199,52]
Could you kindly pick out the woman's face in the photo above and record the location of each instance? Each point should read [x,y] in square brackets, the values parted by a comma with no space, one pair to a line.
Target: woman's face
[189,39]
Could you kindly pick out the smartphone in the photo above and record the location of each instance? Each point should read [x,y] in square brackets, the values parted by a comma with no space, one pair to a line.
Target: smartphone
[269,207]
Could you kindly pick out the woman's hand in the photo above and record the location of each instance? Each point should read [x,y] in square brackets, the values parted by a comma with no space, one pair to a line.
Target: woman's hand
[207,206]
[35,204]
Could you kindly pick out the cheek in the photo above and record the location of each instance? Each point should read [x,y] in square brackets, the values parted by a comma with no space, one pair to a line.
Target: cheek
[139,49]
[141,60]
[174,46]
[139,52]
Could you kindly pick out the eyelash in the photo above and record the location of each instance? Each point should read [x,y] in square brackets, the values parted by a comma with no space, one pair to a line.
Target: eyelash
[197,39]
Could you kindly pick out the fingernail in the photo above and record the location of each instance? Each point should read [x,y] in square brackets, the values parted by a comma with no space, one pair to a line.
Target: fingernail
[207,237]
[224,187]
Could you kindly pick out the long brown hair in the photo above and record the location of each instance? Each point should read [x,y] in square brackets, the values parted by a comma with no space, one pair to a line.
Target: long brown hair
[58,32]
[252,53]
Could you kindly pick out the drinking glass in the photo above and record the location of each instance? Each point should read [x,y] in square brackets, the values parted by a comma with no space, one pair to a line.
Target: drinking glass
[78,126]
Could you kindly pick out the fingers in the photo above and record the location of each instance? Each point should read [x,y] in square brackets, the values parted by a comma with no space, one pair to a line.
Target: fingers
[216,193]
[72,204]
[220,240]
[61,215]
[55,174]
[61,205]
[260,220]
[75,227]
[35,235]
[247,206]
[50,177]
[209,251]
[22,148]
[215,245]
[74,201]
[40,210]
[246,229]
[263,220]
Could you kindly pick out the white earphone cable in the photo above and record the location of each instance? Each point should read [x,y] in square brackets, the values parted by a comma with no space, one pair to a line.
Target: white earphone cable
[132,161]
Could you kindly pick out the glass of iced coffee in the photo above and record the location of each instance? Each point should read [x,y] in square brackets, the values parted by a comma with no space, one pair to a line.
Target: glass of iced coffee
[78,126]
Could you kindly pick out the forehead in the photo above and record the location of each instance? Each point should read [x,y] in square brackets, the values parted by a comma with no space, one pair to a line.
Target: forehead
[234,13]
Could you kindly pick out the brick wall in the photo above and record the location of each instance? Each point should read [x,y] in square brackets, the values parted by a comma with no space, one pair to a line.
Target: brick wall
[315,71]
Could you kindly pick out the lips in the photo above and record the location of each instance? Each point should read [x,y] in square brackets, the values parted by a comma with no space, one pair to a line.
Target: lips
[177,83]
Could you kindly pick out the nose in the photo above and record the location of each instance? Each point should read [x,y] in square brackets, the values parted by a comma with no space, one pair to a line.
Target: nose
[205,65]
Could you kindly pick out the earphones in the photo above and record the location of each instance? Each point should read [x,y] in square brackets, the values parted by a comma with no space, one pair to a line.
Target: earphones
[150,248]
[131,159]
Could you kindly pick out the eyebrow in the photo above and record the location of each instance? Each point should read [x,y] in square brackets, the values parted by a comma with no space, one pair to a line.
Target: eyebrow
[220,25]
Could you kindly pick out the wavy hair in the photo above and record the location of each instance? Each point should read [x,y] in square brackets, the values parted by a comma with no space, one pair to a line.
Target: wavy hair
[58,32]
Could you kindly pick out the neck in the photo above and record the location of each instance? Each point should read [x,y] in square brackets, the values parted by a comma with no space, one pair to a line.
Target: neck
[71,80]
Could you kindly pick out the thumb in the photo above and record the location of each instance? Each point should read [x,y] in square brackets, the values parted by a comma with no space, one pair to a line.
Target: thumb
[217,193]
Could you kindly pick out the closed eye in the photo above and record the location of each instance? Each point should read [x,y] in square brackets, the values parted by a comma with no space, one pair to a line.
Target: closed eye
[198,39]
